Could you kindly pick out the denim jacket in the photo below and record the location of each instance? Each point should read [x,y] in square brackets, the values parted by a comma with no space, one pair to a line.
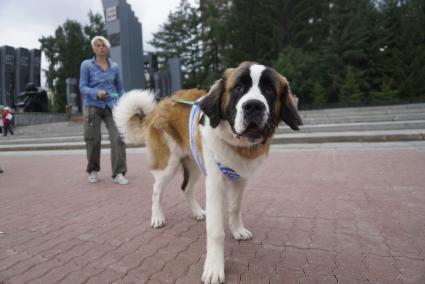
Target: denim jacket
[93,79]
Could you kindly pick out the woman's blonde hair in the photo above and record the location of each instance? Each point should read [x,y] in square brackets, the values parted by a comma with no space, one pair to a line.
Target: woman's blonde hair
[103,39]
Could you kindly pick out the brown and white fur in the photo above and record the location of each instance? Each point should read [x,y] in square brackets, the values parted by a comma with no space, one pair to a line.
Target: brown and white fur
[240,114]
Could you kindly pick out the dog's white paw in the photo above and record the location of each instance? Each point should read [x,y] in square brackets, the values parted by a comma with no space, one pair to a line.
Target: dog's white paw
[213,272]
[241,234]
[199,214]
[157,220]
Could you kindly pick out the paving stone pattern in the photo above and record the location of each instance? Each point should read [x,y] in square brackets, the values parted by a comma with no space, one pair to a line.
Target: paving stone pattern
[318,216]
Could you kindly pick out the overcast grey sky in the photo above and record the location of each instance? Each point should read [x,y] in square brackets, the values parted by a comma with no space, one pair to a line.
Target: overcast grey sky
[23,22]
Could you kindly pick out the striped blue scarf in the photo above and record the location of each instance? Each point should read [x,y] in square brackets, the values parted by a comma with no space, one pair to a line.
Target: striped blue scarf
[228,172]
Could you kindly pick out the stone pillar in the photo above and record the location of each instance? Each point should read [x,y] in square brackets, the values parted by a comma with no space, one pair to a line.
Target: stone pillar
[35,67]
[7,75]
[73,100]
[22,70]
[175,74]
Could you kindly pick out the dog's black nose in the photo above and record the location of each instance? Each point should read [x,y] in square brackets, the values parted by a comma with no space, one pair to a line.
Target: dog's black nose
[253,106]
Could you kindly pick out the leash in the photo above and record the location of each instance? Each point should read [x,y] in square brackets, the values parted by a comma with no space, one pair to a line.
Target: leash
[186,102]
[193,111]
[228,172]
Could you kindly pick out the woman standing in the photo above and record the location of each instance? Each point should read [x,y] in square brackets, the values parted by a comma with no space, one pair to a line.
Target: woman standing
[101,84]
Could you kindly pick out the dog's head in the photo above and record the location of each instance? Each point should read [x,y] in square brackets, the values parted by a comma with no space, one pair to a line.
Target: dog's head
[253,99]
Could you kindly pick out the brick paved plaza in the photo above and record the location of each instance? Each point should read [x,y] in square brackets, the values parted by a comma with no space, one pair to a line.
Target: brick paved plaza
[349,215]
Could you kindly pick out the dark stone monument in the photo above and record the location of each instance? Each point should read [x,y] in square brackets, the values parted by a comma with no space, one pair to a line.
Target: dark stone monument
[175,74]
[165,81]
[22,74]
[139,71]
[151,66]
[35,67]
[125,34]
[32,99]
[7,75]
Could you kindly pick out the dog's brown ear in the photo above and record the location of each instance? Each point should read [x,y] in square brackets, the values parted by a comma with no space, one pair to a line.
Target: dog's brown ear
[211,104]
[288,110]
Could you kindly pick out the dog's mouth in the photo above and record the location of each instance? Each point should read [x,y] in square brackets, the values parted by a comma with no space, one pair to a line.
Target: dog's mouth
[253,133]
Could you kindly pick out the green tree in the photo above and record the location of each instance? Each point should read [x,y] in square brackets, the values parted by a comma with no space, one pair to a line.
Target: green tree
[303,72]
[319,96]
[390,59]
[213,15]
[253,33]
[351,41]
[65,51]
[181,36]
[350,94]
[328,49]
[402,48]
[387,95]
[412,47]
[95,27]
[301,23]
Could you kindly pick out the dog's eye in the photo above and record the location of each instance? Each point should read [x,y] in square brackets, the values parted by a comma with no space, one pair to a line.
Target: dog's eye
[238,89]
[268,89]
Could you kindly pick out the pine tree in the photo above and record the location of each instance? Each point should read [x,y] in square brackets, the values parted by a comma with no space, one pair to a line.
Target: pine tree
[352,41]
[252,32]
[412,39]
[181,36]
[302,69]
[213,14]
[387,95]
[391,59]
[350,94]
[319,96]
[301,23]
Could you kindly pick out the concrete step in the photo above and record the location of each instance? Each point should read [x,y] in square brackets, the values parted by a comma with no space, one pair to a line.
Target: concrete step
[280,138]
[351,136]
[360,126]
[364,114]
[367,124]
[362,118]
[320,128]
[46,140]
[409,108]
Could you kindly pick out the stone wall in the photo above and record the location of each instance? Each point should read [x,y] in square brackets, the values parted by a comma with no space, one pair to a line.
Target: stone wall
[30,118]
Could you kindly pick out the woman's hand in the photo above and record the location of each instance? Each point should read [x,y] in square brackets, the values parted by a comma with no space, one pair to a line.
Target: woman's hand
[102,94]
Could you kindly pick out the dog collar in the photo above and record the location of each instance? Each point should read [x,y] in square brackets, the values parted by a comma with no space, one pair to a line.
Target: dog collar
[228,172]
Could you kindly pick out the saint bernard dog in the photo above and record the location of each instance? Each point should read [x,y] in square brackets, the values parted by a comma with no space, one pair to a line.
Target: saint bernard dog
[226,140]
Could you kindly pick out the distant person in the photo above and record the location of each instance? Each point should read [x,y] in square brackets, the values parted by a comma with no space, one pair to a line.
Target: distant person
[1,118]
[7,118]
[101,84]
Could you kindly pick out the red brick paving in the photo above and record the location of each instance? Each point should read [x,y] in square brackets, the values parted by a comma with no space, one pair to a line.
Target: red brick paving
[320,216]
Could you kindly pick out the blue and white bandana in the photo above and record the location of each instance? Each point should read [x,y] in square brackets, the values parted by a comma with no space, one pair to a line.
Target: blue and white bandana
[228,172]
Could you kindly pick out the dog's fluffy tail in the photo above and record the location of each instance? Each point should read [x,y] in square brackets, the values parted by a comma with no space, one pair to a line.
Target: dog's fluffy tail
[129,113]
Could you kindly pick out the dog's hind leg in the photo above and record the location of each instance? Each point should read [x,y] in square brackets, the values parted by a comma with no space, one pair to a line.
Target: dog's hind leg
[191,176]
[235,196]
[162,179]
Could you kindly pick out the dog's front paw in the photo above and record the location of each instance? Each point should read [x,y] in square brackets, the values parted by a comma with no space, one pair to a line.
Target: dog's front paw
[199,214]
[213,272]
[241,234]
[157,220]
